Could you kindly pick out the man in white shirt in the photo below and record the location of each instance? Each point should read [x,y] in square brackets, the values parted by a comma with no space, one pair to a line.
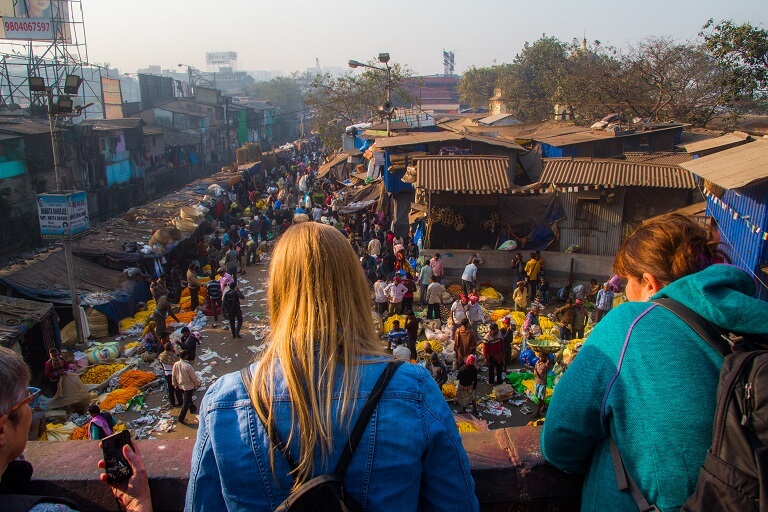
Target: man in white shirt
[425,277]
[374,247]
[459,311]
[434,298]
[469,277]
[380,294]
[395,291]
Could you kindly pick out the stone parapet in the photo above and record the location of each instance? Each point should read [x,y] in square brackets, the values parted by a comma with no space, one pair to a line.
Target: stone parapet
[509,470]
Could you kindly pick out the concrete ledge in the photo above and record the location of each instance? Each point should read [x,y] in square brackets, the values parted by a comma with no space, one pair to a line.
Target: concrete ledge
[509,471]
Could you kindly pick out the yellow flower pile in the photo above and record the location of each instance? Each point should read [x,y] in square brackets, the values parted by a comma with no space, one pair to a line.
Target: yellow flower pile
[519,318]
[497,314]
[118,396]
[490,293]
[545,323]
[389,321]
[455,290]
[136,378]
[465,426]
[529,385]
[133,344]
[100,372]
[449,390]
[437,346]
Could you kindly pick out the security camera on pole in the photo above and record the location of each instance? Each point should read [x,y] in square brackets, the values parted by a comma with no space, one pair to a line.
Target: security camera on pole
[64,214]
[387,109]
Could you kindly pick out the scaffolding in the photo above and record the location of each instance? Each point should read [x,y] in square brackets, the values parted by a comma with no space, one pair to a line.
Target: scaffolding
[53,54]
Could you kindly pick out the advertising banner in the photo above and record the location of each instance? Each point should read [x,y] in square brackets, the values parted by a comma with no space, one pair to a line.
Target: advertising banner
[35,20]
[62,216]
[112,98]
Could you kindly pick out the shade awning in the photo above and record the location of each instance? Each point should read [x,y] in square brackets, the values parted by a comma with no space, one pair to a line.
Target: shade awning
[465,174]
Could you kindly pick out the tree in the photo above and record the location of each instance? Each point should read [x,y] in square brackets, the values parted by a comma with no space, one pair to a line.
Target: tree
[338,102]
[681,80]
[477,84]
[741,54]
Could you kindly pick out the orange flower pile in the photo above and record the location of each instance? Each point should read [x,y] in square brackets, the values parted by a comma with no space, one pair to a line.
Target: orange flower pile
[136,378]
[118,396]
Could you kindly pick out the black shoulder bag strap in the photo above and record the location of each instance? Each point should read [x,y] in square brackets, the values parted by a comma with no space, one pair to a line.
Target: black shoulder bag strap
[708,333]
[695,321]
[357,431]
[364,418]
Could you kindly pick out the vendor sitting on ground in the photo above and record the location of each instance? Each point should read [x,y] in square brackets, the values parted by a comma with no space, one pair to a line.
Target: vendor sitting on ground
[438,370]
[401,352]
[101,423]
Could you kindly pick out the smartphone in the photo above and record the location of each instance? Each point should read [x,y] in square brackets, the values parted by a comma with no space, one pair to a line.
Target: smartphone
[117,468]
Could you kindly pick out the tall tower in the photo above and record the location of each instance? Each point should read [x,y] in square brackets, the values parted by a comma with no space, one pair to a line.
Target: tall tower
[449,66]
[45,42]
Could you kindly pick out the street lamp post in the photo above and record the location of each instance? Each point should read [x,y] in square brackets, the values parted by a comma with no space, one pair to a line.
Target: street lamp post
[63,107]
[387,108]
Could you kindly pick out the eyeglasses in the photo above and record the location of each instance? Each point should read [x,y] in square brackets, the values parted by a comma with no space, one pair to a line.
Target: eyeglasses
[33,392]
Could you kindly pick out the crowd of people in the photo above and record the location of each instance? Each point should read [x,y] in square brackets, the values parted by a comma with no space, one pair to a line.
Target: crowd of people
[324,360]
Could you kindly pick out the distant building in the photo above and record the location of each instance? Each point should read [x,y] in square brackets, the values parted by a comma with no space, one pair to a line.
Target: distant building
[439,93]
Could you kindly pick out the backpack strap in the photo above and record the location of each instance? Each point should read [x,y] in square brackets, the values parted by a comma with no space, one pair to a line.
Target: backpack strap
[625,481]
[699,324]
[709,333]
[247,377]
[357,430]
[364,418]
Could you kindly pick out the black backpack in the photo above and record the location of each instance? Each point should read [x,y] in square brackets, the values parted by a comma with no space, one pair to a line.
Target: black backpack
[326,493]
[735,472]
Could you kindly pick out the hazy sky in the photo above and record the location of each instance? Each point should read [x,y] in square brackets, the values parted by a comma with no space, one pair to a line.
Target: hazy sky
[289,35]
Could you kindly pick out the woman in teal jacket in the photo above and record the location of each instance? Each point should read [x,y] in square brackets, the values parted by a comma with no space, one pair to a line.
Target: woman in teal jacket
[644,377]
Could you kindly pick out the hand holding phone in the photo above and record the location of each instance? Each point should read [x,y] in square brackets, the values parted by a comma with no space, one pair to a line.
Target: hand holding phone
[115,464]
[133,492]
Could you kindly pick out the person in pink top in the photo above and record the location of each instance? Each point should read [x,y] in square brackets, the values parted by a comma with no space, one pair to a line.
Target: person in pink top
[224,280]
[437,267]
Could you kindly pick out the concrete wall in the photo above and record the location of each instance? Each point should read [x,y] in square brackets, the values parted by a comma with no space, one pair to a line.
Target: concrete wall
[509,472]
[496,270]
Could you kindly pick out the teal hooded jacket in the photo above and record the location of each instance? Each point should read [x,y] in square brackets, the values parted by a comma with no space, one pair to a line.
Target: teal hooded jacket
[647,379]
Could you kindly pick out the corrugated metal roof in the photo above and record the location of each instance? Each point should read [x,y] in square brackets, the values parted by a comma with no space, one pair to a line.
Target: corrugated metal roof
[325,168]
[733,168]
[469,174]
[494,118]
[26,127]
[658,158]
[728,139]
[114,124]
[588,136]
[181,138]
[495,141]
[585,171]
[410,139]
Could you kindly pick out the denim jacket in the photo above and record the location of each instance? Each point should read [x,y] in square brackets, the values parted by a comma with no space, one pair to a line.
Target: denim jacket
[410,458]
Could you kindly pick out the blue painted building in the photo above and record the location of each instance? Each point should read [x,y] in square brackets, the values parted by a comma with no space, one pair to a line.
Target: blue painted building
[736,188]
[598,144]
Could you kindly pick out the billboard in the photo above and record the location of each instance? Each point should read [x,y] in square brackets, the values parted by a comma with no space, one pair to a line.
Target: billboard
[35,20]
[62,216]
[220,57]
[112,98]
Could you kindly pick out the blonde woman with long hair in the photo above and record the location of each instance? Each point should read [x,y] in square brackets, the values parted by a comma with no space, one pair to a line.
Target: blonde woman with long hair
[308,388]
